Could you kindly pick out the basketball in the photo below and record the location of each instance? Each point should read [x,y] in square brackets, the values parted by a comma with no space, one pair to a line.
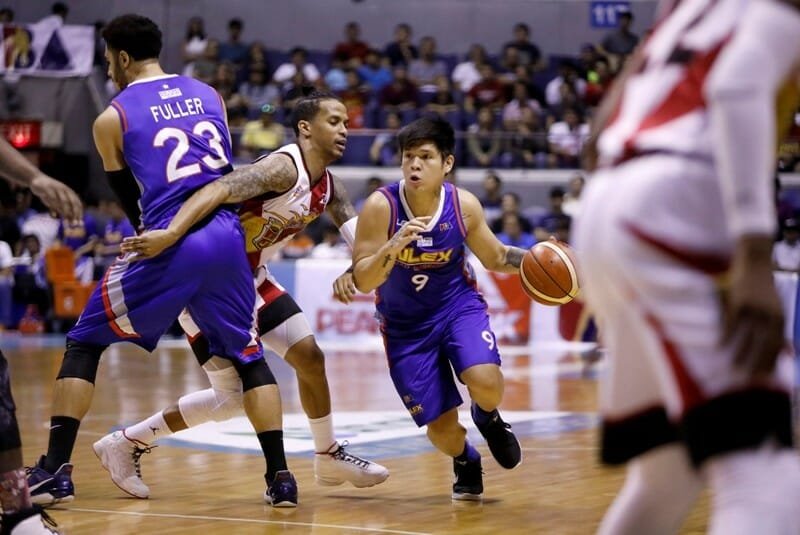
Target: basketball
[549,274]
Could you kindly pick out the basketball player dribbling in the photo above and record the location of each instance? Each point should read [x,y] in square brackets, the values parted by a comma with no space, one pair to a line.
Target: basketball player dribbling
[410,247]
[675,236]
[284,192]
[169,134]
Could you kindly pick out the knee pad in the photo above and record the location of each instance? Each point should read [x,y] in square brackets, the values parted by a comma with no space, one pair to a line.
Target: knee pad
[227,387]
[81,361]
[255,374]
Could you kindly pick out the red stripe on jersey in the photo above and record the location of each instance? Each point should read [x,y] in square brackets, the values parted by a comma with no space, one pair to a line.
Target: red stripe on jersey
[709,263]
[122,117]
[269,292]
[319,194]
[690,392]
[686,97]
[112,318]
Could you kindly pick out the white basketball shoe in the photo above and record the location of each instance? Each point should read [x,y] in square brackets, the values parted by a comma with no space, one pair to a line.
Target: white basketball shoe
[336,466]
[121,457]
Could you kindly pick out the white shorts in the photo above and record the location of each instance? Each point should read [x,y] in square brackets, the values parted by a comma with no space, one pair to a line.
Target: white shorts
[652,242]
[281,322]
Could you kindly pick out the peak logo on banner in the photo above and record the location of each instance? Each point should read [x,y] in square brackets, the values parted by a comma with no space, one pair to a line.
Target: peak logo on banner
[47,49]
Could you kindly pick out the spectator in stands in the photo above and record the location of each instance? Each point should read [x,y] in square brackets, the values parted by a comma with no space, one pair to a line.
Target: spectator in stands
[336,78]
[374,73]
[509,204]
[521,99]
[571,204]
[292,91]
[117,229]
[194,44]
[57,17]
[42,225]
[526,143]
[789,148]
[491,198]
[6,15]
[81,237]
[352,48]
[234,50]
[529,53]
[786,253]
[555,216]
[256,92]
[586,60]
[509,62]
[427,68]
[567,76]
[99,61]
[620,42]
[225,84]
[512,233]
[204,68]
[442,102]
[489,92]
[401,51]
[401,94]
[331,245]
[355,97]
[599,80]
[263,135]
[298,62]
[566,138]
[467,73]
[483,141]
[372,184]
[384,150]
[6,284]
[30,282]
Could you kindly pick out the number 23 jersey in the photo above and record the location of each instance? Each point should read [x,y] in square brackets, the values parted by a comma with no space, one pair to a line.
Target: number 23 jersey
[175,140]
[431,277]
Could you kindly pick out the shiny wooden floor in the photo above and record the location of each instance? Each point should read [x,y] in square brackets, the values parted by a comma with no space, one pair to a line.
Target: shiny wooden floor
[559,489]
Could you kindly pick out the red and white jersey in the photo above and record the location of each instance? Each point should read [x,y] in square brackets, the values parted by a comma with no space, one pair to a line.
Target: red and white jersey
[663,107]
[271,220]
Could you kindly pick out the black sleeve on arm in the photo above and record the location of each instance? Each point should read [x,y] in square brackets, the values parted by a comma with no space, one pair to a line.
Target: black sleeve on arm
[124,185]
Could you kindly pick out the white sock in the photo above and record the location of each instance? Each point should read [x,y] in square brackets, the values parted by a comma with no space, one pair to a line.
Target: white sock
[755,491]
[149,430]
[660,489]
[322,431]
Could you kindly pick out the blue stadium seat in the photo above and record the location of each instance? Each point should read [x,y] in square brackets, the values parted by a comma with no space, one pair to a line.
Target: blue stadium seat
[357,152]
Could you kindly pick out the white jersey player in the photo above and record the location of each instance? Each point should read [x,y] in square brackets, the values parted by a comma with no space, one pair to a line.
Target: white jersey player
[675,237]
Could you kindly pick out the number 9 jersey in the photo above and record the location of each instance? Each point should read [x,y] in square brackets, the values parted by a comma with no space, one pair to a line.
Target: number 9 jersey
[175,140]
[431,274]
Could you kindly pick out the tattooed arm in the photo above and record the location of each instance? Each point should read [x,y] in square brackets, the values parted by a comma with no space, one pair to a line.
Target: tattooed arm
[374,254]
[339,207]
[275,173]
[490,251]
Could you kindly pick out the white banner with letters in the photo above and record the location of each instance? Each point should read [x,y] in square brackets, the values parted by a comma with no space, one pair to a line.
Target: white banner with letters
[46,49]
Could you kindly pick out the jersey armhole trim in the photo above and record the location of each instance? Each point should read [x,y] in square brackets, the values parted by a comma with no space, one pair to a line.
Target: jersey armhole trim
[392,212]
[457,207]
[122,117]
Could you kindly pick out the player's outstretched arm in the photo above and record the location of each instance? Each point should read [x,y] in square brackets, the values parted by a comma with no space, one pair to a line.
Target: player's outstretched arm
[340,208]
[275,173]
[374,253]
[490,251]
[55,195]
[344,216]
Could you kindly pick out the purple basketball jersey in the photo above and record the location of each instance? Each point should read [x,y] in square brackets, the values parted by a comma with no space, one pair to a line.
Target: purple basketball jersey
[175,140]
[431,275]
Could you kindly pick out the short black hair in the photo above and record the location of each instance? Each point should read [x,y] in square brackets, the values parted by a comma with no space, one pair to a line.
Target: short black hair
[307,106]
[522,26]
[8,12]
[60,8]
[135,34]
[428,129]
[557,191]
[235,23]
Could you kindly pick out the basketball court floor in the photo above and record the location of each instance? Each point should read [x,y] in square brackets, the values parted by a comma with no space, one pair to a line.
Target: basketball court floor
[210,479]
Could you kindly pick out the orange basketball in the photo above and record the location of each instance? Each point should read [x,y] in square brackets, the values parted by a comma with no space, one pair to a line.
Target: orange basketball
[549,274]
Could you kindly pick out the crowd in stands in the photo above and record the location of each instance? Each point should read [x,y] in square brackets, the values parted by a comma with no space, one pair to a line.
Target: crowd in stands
[514,107]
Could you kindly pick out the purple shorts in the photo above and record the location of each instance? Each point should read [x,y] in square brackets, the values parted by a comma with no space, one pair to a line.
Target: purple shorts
[420,359]
[206,272]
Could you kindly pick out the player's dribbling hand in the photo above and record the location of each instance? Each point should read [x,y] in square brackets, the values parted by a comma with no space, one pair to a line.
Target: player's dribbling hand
[752,313]
[344,289]
[409,232]
[148,244]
